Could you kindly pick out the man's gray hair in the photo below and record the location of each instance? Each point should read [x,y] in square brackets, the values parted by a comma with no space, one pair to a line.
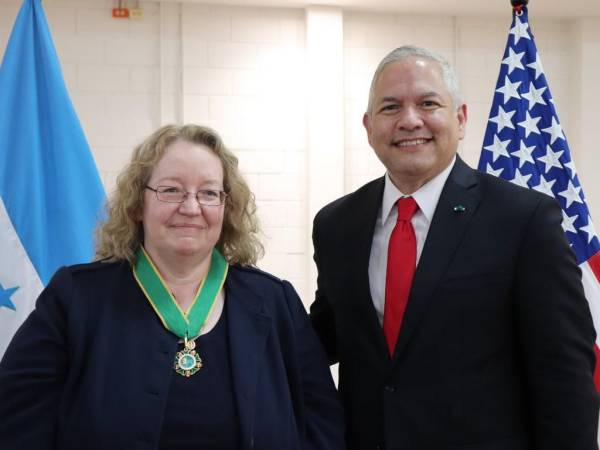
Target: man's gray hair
[408,51]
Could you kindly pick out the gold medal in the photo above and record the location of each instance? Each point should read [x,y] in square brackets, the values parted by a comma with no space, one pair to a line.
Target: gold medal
[187,361]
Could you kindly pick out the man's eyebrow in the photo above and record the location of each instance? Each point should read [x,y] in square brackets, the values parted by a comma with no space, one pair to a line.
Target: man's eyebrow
[388,99]
[430,94]
[423,95]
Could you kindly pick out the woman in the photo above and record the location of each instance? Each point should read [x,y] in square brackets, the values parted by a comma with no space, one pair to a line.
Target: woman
[171,340]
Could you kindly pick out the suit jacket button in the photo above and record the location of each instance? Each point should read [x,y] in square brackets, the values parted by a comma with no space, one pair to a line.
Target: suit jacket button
[388,388]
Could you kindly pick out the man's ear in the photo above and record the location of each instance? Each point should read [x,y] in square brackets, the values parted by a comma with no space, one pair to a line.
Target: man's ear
[367,124]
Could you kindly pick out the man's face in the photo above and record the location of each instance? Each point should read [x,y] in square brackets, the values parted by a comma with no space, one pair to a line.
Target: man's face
[412,125]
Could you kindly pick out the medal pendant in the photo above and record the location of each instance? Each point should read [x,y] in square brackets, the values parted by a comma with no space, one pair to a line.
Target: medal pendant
[187,361]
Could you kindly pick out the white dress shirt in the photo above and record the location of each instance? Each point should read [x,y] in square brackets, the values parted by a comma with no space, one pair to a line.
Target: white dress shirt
[427,197]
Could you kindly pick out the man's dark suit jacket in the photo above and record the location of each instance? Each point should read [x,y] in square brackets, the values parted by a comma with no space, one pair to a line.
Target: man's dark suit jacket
[91,367]
[496,347]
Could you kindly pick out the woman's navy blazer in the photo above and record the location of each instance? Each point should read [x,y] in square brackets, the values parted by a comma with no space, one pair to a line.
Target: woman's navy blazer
[92,365]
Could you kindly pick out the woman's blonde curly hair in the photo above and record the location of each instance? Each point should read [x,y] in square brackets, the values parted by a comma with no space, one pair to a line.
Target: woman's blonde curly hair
[121,234]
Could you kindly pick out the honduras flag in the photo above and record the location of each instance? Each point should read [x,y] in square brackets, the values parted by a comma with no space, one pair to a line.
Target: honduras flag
[50,192]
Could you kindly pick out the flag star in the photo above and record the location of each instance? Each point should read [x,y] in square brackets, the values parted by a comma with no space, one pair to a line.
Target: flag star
[513,60]
[521,179]
[530,124]
[5,295]
[503,119]
[571,194]
[571,166]
[554,130]
[545,186]
[589,229]
[535,95]
[496,172]
[537,66]
[524,154]
[509,90]
[567,222]
[520,30]
[498,148]
[551,159]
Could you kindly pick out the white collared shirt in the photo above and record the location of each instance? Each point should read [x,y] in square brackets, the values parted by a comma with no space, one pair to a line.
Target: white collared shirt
[427,197]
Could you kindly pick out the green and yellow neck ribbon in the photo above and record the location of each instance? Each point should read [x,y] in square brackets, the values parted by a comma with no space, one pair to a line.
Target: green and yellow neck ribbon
[182,324]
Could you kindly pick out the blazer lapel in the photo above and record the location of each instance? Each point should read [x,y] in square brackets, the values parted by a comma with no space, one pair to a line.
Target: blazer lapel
[358,238]
[248,330]
[458,202]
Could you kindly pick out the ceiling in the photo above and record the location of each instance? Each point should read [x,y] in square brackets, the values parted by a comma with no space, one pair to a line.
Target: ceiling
[545,8]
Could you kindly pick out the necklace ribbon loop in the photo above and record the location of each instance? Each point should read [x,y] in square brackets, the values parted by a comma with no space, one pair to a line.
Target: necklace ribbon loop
[186,325]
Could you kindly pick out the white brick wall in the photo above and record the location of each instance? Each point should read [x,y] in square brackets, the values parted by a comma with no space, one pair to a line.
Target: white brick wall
[112,70]
[474,44]
[243,71]
[242,75]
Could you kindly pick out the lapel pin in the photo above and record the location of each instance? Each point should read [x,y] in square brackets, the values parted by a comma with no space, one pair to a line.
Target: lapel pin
[459,209]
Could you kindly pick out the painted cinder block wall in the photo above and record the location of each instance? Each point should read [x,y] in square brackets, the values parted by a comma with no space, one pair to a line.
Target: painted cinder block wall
[286,88]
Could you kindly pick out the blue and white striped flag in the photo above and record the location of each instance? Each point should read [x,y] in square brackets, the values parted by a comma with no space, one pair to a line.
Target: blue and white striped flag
[50,192]
[524,143]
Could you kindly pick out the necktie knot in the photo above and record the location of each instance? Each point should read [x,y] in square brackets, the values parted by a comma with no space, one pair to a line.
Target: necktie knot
[407,206]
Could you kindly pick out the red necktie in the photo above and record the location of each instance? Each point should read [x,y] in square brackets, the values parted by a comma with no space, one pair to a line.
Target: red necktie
[401,262]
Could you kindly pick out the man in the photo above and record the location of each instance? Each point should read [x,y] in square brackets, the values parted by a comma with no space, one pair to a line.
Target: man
[488,344]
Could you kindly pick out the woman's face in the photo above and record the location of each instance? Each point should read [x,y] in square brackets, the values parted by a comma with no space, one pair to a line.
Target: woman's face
[188,228]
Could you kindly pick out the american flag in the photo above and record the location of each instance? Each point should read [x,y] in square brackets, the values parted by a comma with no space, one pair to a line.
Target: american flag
[525,144]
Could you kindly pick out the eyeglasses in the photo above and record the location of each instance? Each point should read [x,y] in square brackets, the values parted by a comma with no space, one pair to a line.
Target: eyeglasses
[206,197]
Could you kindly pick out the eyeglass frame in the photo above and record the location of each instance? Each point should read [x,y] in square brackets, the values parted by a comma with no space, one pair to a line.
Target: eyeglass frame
[222,195]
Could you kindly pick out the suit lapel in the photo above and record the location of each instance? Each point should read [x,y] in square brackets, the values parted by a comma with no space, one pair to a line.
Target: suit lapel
[358,238]
[458,202]
[248,329]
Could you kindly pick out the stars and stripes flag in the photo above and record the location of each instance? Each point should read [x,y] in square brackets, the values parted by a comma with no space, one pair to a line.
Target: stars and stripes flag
[50,191]
[525,144]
